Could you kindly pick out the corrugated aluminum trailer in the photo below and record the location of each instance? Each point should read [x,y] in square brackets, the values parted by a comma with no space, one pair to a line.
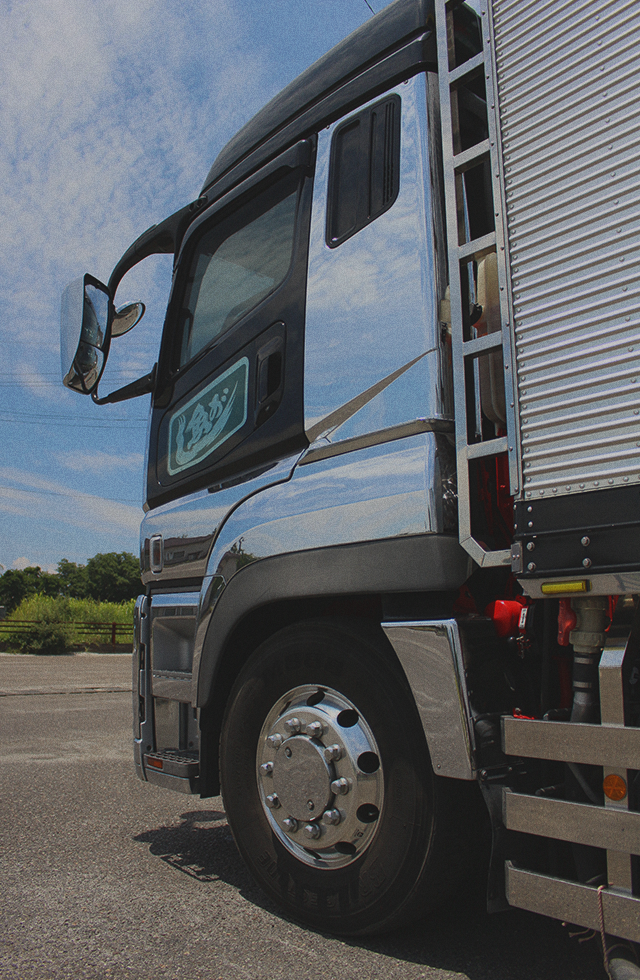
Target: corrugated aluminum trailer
[561,153]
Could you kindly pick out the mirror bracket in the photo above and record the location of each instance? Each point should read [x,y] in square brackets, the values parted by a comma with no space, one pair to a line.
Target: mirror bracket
[142,386]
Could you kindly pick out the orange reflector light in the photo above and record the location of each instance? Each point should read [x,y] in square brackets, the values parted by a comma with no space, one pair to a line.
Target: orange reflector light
[614,787]
[562,588]
[154,763]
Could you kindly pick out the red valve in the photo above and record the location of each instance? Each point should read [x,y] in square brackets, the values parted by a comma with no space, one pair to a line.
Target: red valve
[506,615]
[567,620]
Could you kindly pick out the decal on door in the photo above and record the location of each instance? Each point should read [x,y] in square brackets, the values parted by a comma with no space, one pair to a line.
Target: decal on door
[209,419]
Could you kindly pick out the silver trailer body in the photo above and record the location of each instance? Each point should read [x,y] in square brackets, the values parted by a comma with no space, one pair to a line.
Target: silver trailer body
[561,151]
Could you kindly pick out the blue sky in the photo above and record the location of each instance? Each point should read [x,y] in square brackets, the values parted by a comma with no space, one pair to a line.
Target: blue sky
[111,114]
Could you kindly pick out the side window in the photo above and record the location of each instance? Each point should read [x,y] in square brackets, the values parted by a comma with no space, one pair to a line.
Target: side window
[236,265]
[364,171]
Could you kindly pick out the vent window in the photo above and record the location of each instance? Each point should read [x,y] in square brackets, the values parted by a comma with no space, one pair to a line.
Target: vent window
[364,172]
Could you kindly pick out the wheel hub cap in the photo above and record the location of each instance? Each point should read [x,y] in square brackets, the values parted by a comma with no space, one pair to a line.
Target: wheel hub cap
[301,778]
[319,776]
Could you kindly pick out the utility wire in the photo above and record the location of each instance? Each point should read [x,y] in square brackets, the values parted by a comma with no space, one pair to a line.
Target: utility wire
[369,6]
[73,425]
[71,418]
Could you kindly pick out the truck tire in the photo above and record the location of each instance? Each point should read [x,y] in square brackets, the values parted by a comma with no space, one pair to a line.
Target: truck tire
[328,785]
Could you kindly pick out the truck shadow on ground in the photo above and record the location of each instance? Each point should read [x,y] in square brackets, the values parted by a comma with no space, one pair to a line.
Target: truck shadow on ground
[460,937]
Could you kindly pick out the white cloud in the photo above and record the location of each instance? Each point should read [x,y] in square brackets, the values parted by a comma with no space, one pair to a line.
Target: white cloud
[99,461]
[69,507]
[21,563]
[104,132]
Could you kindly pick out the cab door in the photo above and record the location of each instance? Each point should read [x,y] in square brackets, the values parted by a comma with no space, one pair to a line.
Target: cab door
[228,399]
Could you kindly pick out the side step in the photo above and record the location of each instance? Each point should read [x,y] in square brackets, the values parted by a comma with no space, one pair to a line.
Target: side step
[569,901]
[580,823]
[179,771]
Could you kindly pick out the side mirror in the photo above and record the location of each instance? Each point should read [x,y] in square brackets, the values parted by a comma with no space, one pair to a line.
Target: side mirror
[85,321]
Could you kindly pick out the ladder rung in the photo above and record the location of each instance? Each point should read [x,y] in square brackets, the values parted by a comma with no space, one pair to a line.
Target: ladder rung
[474,248]
[466,70]
[480,345]
[468,158]
[492,447]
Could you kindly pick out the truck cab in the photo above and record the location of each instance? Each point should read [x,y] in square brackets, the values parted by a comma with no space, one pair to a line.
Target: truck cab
[345,624]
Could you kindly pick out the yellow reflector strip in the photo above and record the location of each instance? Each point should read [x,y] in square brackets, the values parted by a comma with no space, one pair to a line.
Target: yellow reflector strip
[154,763]
[557,588]
[614,787]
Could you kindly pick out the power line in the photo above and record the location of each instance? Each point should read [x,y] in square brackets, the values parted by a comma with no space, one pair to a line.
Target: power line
[73,418]
[369,6]
[73,425]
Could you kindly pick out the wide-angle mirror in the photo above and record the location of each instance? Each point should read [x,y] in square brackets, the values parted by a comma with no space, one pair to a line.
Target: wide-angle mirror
[125,318]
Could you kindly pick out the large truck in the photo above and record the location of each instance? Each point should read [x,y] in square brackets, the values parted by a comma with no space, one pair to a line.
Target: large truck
[391,548]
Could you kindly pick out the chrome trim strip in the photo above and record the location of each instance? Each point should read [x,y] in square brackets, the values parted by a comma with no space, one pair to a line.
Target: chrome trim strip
[566,741]
[376,438]
[335,419]
[571,902]
[164,601]
[580,823]
[431,656]
[141,686]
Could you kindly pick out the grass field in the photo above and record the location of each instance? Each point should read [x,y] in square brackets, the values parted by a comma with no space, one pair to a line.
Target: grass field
[41,624]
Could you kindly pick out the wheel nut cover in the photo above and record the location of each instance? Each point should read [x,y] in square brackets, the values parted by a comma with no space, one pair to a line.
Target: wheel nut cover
[309,778]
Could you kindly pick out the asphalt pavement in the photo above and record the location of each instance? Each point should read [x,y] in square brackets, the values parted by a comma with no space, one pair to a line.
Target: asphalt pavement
[103,877]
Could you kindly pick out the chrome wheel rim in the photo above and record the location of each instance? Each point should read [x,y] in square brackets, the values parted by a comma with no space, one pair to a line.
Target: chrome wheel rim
[320,776]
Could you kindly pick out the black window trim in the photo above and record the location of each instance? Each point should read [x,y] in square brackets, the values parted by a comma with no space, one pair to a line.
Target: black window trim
[300,156]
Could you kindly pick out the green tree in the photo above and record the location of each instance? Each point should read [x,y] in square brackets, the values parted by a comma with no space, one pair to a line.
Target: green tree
[16,584]
[113,577]
[73,579]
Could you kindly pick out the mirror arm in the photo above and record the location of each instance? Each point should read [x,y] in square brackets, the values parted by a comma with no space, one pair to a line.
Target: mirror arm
[143,386]
[162,239]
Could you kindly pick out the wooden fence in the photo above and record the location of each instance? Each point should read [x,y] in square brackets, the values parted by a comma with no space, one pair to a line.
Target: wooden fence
[113,633]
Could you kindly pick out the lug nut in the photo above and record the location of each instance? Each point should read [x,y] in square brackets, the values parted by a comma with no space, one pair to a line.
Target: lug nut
[272,801]
[266,768]
[275,740]
[290,824]
[332,753]
[331,817]
[312,830]
[315,729]
[293,725]
[340,786]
